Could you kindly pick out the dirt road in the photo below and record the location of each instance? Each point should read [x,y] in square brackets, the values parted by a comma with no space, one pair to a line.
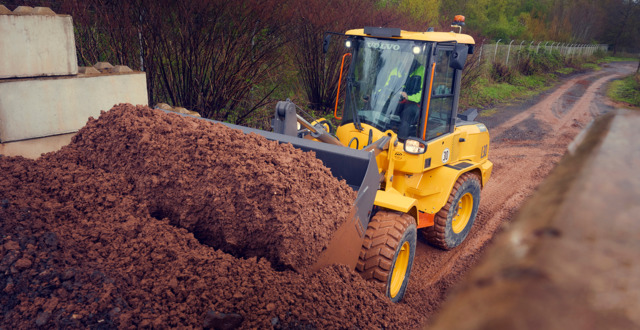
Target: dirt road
[96,234]
[527,140]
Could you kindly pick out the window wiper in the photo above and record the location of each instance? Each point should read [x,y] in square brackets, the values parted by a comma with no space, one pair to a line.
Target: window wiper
[351,97]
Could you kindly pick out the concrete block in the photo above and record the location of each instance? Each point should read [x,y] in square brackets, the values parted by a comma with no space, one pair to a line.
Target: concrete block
[103,66]
[36,45]
[23,10]
[5,11]
[570,258]
[120,69]
[164,106]
[33,148]
[46,11]
[88,70]
[31,108]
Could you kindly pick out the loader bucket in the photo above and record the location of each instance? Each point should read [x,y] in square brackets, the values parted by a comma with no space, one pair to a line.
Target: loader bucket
[360,171]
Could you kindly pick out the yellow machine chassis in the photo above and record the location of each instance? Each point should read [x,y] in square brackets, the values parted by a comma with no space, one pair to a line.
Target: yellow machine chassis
[420,185]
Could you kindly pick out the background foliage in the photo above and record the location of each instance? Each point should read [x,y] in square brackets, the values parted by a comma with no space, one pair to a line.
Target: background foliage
[230,60]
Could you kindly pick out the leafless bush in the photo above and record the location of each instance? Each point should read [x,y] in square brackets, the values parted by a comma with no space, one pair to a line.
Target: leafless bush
[501,73]
[319,72]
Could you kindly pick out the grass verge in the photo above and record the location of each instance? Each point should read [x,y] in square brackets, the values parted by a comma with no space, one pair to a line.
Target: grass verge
[626,90]
[484,93]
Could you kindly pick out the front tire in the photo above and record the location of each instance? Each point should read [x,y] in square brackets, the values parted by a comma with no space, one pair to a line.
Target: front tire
[453,222]
[388,250]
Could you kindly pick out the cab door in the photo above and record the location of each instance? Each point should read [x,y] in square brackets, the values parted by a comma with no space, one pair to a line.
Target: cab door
[439,110]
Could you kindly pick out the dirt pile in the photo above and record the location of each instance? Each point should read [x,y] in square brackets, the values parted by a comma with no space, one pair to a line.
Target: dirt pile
[241,193]
[109,232]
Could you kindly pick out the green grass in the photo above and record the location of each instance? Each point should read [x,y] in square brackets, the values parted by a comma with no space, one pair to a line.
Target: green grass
[626,90]
[565,70]
[484,92]
[592,66]
[608,59]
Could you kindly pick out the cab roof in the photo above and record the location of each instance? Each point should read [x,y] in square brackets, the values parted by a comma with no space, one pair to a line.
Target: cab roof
[423,36]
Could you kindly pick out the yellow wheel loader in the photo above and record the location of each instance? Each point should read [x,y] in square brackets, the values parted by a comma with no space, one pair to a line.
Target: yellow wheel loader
[417,165]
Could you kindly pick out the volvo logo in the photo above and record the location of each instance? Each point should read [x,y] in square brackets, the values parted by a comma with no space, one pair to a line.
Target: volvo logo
[383,46]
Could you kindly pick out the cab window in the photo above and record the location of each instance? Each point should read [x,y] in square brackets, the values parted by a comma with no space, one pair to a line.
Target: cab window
[439,121]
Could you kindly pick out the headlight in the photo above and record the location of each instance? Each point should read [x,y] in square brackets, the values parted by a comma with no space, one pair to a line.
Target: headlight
[417,50]
[414,147]
[347,44]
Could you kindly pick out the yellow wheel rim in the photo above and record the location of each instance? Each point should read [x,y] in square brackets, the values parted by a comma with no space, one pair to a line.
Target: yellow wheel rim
[399,269]
[463,213]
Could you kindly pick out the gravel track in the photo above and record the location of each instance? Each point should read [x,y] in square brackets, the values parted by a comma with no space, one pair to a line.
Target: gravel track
[527,140]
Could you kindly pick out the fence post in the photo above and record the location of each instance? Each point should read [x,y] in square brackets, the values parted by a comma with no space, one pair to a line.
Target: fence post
[508,51]
[481,48]
[496,50]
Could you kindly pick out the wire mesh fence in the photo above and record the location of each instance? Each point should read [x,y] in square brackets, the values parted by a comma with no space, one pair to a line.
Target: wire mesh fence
[505,52]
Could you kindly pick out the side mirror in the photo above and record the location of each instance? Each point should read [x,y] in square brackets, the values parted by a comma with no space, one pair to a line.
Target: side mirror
[458,56]
[325,43]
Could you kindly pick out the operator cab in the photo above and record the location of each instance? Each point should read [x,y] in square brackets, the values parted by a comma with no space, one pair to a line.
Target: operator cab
[397,79]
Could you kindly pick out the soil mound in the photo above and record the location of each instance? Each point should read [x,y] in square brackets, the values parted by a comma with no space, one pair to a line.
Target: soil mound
[240,193]
[109,232]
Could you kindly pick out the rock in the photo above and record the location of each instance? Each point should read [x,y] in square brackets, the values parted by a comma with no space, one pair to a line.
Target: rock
[68,274]
[22,264]
[11,245]
[50,239]
[114,312]
[221,321]
[42,318]
[8,289]
[9,258]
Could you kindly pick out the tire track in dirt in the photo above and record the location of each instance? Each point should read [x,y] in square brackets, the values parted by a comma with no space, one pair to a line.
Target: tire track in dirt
[526,144]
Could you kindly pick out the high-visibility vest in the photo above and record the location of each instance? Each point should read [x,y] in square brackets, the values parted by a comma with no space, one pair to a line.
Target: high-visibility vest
[417,97]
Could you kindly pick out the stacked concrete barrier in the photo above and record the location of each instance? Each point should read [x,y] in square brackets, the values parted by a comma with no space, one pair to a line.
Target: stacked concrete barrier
[43,92]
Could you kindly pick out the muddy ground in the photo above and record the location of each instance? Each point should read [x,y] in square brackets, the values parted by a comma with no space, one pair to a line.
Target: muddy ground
[97,236]
[527,139]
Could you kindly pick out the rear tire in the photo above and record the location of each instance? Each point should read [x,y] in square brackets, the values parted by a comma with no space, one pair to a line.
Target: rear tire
[388,250]
[453,222]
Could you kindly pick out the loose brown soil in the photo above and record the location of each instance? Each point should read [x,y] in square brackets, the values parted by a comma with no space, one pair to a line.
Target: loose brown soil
[150,219]
[153,219]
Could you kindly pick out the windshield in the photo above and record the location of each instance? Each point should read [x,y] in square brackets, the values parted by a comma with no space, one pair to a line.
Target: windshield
[385,84]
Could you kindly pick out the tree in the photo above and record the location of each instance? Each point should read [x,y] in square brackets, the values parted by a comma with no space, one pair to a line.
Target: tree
[206,55]
[622,21]
[319,72]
